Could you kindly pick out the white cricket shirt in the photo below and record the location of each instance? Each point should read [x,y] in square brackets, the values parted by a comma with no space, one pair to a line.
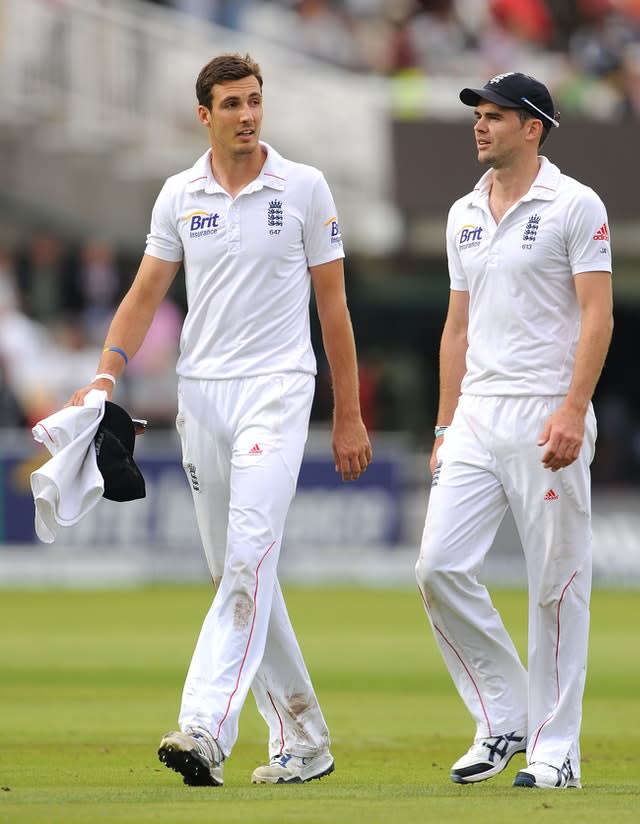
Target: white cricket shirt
[524,318]
[246,262]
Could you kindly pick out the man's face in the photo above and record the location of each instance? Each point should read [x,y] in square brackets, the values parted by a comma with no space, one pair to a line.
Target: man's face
[235,117]
[500,134]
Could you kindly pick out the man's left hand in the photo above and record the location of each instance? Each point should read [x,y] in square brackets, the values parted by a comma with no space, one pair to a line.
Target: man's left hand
[562,435]
[351,449]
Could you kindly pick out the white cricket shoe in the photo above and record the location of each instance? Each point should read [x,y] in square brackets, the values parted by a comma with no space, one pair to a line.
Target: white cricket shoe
[194,754]
[547,777]
[487,757]
[293,769]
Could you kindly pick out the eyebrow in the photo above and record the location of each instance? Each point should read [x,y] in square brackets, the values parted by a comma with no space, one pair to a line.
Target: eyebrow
[232,97]
[252,93]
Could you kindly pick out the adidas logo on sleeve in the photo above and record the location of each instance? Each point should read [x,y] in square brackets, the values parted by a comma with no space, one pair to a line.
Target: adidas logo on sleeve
[602,233]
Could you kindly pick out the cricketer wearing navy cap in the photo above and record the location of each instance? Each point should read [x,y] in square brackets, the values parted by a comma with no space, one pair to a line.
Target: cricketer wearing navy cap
[525,338]
[514,90]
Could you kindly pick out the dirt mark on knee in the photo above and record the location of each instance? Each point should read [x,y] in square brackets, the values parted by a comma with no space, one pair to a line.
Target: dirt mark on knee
[242,610]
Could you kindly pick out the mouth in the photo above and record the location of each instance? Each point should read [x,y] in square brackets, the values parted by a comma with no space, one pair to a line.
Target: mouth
[245,134]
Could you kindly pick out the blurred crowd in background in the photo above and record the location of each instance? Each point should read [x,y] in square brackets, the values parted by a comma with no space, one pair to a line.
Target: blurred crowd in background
[595,43]
[56,302]
[57,295]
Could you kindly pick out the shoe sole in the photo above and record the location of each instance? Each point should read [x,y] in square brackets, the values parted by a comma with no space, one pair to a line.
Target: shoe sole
[191,766]
[474,778]
[525,779]
[296,779]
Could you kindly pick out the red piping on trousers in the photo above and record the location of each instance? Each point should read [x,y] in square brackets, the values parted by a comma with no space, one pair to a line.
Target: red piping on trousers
[275,709]
[546,721]
[246,649]
[458,656]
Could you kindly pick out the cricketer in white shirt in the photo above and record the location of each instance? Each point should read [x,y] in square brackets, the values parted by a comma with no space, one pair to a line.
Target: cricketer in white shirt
[255,233]
[524,323]
[524,317]
[247,265]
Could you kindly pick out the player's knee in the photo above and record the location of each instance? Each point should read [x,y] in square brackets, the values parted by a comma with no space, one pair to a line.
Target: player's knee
[431,571]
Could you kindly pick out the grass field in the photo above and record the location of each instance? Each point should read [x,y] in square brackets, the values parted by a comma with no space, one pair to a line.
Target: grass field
[90,680]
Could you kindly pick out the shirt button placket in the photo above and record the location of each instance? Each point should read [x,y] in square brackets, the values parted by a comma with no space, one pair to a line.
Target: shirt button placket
[234,228]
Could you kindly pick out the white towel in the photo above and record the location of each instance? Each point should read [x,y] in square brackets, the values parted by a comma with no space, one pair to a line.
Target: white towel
[69,484]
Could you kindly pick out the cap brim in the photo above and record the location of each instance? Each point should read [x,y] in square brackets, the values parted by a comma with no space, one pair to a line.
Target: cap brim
[471,97]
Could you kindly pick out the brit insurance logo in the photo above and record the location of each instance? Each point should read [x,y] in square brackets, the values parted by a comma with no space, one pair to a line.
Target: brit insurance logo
[336,236]
[470,236]
[275,217]
[202,223]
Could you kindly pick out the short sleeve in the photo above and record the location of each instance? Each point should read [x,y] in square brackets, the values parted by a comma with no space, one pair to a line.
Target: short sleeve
[163,240]
[457,278]
[588,241]
[322,236]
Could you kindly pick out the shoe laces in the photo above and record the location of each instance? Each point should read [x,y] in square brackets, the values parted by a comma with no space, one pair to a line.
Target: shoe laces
[498,745]
[565,773]
[207,744]
[282,760]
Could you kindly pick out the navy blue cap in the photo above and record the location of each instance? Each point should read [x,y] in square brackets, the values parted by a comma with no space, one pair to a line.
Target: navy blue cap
[114,443]
[514,90]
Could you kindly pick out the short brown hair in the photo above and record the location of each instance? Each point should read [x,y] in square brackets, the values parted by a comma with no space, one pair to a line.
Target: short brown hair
[525,114]
[222,68]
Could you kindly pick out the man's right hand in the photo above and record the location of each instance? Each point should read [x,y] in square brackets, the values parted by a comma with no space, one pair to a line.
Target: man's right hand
[77,399]
[433,461]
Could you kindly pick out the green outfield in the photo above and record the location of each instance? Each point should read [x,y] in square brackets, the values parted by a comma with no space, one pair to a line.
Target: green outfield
[90,680]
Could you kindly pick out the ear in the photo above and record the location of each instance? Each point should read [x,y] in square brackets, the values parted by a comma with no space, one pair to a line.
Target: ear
[204,116]
[534,129]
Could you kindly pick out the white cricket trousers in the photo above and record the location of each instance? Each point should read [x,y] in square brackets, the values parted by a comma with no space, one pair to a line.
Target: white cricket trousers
[242,443]
[489,460]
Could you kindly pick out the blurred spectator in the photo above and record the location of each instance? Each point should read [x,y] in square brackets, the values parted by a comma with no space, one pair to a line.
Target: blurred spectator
[631,8]
[10,411]
[597,44]
[379,34]
[435,37]
[151,383]
[604,53]
[374,392]
[98,281]
[70,356]
[322,29]
[515,34]
[616,459]
[24,351]
[528,20]
[630,79]
[228,13]
[46,279]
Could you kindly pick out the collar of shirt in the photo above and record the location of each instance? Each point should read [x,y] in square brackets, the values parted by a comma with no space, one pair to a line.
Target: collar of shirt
[544,187]
[271,175]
